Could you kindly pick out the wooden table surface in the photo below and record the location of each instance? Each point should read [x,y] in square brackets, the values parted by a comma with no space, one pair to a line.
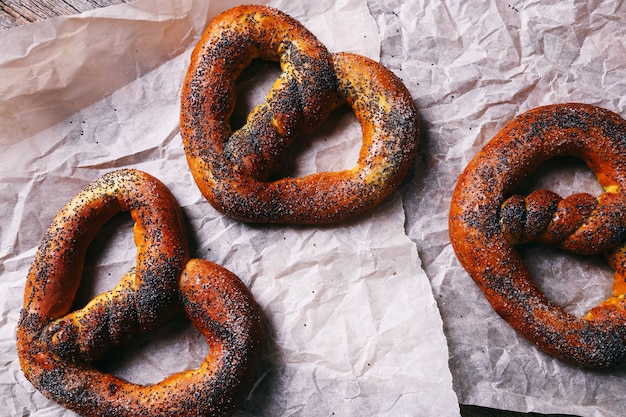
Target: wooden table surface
[19,12]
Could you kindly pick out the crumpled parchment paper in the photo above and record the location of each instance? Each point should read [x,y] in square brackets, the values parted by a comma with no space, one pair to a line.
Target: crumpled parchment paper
[353,326]
[72,107]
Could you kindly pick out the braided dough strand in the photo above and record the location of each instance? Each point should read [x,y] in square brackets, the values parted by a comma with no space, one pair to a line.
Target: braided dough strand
[485,224]
[576,224]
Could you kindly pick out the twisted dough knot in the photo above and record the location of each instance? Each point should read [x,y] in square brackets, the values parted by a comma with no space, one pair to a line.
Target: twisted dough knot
[234,170]
[485,223]
[56,346]
[580,223]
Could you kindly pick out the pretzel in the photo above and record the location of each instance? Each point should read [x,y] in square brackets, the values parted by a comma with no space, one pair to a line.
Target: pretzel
[234,170]
[56,346]
[486,222]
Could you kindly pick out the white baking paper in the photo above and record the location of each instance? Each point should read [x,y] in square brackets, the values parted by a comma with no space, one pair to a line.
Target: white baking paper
[352,322]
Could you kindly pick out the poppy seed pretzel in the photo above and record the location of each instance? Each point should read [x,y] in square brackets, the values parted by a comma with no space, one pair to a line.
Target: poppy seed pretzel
[56,346]
[234,170]
[486,222]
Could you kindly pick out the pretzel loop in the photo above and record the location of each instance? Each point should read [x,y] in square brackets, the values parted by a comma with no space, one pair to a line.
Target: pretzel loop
[56,347]
[146,293]
[486,222]
[234,171]
[300,99]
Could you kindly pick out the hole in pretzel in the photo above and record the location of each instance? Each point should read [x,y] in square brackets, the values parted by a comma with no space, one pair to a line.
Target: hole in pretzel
[252,87]
[576,283]
[110,255]
[334,146]
[564,175]
[150,357]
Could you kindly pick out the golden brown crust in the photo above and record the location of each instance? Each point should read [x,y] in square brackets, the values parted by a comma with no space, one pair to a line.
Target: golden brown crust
[485,222]
[233,171]
[56,348]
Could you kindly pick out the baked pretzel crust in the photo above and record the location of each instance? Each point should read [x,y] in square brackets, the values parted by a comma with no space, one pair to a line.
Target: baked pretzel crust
[486,221]
[56,346]
[234,170]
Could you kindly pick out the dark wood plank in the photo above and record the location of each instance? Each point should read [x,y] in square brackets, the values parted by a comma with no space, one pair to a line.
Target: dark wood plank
[19,12]
[476,411]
